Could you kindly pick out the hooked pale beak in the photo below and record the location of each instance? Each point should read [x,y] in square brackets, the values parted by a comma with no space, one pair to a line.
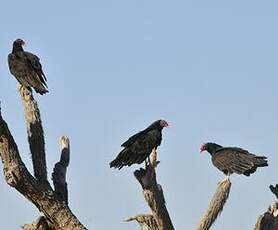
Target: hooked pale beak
[202,148]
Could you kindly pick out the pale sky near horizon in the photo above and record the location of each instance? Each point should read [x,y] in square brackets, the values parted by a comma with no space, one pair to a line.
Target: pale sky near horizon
[113,67]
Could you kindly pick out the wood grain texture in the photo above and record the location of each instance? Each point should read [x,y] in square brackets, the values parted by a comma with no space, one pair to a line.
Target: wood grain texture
[153,193]
[146,221]
[216,205]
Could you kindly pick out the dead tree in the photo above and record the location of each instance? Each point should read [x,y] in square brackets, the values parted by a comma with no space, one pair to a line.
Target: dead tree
[53,203]
[153,194]
[269,220]
[216,204]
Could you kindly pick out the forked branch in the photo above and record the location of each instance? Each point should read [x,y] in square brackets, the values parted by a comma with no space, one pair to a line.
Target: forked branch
[40,194]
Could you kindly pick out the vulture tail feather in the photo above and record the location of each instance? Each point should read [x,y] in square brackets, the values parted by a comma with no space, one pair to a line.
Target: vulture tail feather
[261,161]
[41,91]
[120,160]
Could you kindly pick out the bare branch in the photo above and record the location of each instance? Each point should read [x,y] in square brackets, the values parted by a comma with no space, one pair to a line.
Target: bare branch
[35,133]
[153,194]
[147,222]
[60,170]
[40,194]
[39,224]
[216,205]
[274,190]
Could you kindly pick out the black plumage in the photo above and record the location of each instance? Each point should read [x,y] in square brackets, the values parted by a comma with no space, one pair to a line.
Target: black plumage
[139,146]
[26,68]
[234,160]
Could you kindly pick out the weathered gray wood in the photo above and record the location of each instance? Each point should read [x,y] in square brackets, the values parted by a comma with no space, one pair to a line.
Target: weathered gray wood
[60,170]
[35,133]
[216,205]
[56,212]
[153,194]
[146,222]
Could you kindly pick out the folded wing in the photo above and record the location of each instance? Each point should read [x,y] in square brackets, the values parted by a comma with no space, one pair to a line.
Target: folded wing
[137,149]
[27,70]
[236,160]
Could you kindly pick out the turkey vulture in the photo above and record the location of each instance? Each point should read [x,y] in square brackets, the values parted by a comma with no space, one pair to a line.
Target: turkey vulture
[139,146]
[26,68]
[234,160]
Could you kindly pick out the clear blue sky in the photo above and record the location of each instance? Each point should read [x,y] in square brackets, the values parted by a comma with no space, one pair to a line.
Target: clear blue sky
[113,67]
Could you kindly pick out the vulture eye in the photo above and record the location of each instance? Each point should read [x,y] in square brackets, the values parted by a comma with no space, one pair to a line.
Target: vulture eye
[164,123]
[20,41]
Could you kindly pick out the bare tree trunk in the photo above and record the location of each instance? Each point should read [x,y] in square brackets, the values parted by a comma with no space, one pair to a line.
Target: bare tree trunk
[57,214]
[269,220]
[216,205]
[153,194]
